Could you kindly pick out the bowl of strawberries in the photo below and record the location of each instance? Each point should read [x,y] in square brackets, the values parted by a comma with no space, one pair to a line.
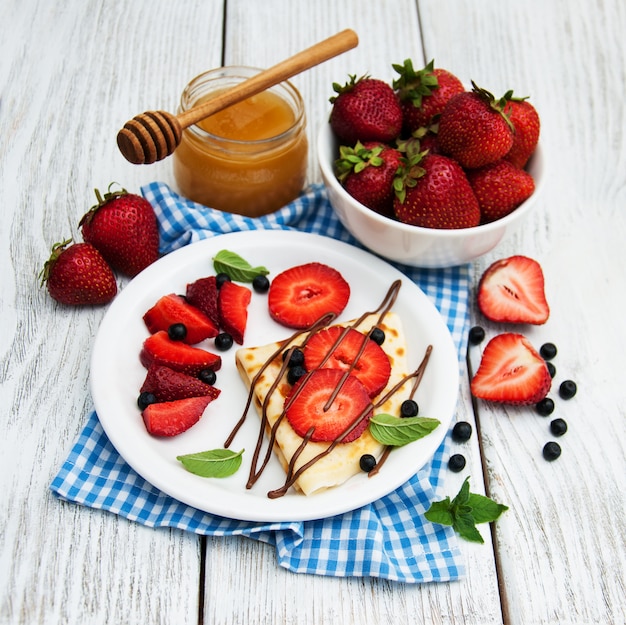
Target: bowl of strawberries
[425,171]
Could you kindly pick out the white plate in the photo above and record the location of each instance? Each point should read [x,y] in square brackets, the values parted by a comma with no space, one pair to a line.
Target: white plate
[117,375]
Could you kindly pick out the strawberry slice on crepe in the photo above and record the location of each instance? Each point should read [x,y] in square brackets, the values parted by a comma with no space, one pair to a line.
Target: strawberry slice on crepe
[511,371]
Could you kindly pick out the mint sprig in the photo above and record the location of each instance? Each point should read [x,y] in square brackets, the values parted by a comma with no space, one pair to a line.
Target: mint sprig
[394,431]
[464,512]
[239,269]
[212,463]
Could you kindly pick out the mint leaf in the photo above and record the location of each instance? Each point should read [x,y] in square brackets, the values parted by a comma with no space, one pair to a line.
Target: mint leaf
[464,512]
[212,463]
[394,431]
[236,267]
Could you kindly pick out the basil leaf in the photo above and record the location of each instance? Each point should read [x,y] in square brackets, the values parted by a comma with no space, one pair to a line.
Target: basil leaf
[394,431]
[485,510]
[465,526]
[212,463]
[463,494]
[236,267]
[440,512]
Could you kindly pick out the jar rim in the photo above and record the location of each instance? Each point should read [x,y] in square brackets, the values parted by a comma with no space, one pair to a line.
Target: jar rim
[243,72]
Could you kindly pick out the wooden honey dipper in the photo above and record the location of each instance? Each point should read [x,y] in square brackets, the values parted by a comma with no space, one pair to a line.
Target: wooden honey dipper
[153,135]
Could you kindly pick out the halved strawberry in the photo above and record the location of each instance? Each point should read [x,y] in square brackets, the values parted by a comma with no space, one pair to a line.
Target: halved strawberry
[203,295]
[168,385]
[511,371]
[232,305]
[512,291]
[299,296]
[159,349]
[173,308]
[171,418]
[308,397]
[372,368]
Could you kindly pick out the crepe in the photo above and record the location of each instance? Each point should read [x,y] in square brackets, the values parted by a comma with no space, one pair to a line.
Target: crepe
[342,462]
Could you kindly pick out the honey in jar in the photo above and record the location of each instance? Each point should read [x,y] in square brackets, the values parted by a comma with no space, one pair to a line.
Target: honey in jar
[250,158]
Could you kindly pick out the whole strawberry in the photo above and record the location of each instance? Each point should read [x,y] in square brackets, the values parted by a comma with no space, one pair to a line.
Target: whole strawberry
[526,123]
[500,188]
[435,193]
[77,274]
[123,227]
[367,172]
[365,109]
[473,128]
[423,93]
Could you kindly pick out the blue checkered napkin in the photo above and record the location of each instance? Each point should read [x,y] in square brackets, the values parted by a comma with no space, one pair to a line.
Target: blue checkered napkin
[388,538]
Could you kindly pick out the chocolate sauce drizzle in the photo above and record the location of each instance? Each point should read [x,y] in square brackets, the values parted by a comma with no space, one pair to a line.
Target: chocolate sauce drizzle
[290,343]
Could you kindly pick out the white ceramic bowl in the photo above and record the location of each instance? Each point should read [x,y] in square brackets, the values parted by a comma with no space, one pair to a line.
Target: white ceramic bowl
[412,245]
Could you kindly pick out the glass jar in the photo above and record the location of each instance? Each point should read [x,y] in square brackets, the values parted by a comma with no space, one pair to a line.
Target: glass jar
[250,158]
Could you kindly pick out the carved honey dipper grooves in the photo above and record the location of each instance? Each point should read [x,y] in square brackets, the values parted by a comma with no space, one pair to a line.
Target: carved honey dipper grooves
[153,135]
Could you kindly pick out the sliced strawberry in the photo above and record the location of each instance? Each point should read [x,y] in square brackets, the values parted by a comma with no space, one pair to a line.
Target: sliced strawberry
[512,291]
[232,305]
[310,395]
[203,295]
[173,308]
[168,385]
[372,367]
[159,349]
[174,417]
[511,371]
[299,296]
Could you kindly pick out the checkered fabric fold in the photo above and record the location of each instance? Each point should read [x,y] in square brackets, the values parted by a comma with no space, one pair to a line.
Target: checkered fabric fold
[389,538]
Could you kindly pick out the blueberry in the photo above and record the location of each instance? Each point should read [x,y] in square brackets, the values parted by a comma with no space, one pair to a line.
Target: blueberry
[548,351]
[208,376]
[558,427]
[551,451]
[261,283]
[456,463]
[223,341]
[378,336]
[367,462]
[568,389]
[476,335]
[295,373]
[177,332]
[551,369]
[545,407]
[220,278]
[145,399]
[461,432]
[409,408]
[296,359]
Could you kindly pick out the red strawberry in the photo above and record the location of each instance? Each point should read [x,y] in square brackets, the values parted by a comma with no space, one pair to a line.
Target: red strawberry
[232,305]
[203,295]
[123,227]
[365,109]
[372,368]
[473,128]
[299,296]
[367,172]
[159,349]
[500,188]
[511,371]
[78,275]
[173,308]
[525,120]
[169,385]
[511,290]
[174,417]
[306,402]
[435,193]
[424,93]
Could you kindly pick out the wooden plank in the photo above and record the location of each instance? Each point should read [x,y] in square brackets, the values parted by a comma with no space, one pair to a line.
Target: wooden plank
[387,35]
[71,77]
[561,544]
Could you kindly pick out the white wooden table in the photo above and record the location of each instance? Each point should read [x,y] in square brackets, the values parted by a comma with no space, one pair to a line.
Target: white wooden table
[71,73]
